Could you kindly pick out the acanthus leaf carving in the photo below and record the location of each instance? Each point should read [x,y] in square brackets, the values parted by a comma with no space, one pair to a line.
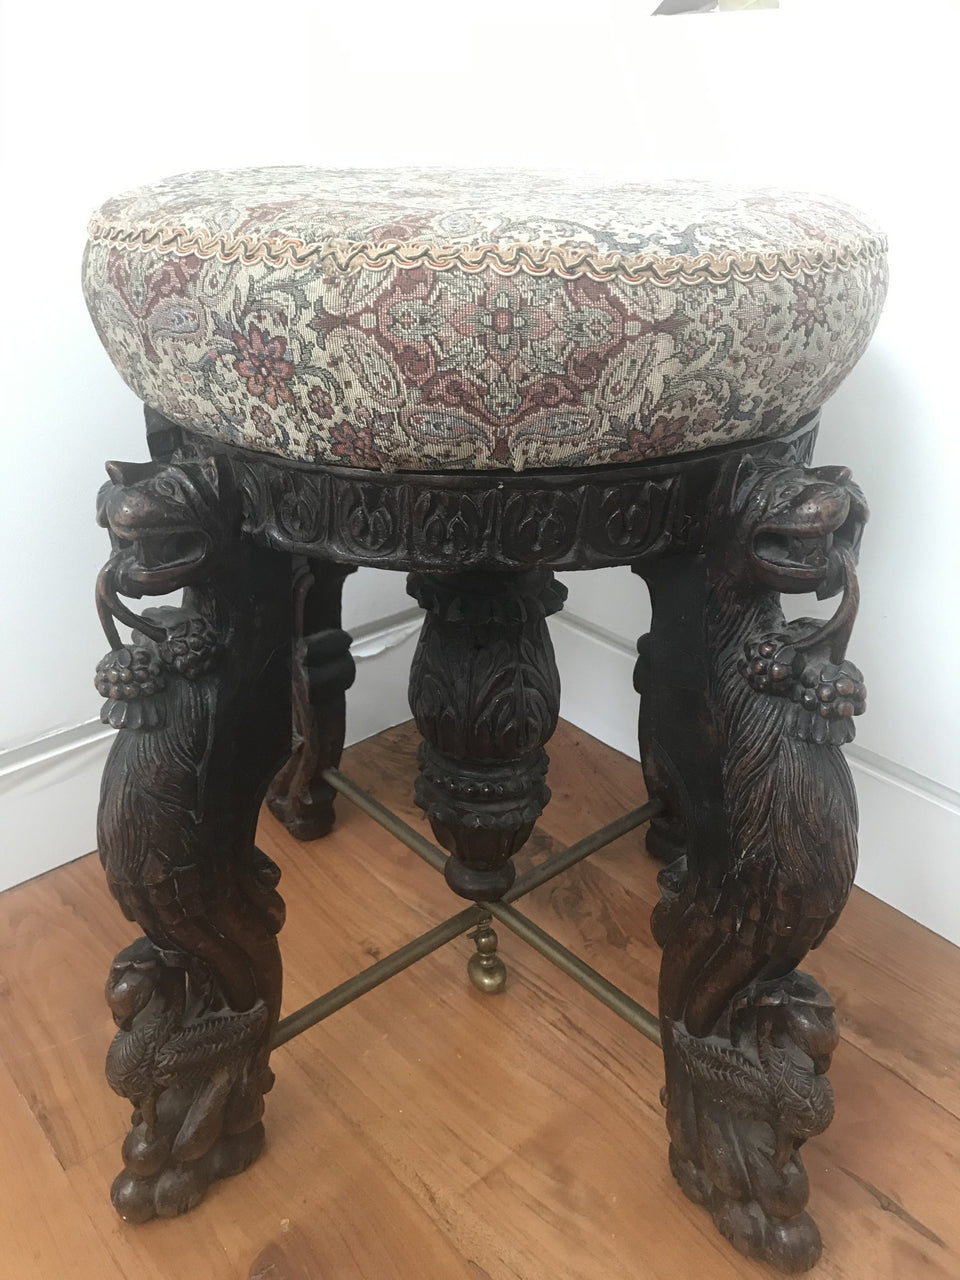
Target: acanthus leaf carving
[485,693]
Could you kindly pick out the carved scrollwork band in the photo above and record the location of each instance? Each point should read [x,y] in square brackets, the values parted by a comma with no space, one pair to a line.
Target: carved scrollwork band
[575,519]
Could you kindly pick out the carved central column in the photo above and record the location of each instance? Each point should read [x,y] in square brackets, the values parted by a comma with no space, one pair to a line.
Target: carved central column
[485,693]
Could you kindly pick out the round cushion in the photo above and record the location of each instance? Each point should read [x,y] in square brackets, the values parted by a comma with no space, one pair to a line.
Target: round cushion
[429,320]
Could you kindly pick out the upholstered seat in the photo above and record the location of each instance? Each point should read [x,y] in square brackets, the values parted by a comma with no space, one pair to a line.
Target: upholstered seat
[425,320]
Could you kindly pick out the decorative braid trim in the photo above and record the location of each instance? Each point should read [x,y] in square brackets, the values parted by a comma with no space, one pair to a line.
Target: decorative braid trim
[345,256]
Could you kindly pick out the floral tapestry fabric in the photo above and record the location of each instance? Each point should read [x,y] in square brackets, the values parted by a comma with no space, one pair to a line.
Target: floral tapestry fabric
[430,320]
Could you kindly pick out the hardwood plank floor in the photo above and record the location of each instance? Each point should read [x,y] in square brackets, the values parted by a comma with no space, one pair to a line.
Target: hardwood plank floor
[430,1133]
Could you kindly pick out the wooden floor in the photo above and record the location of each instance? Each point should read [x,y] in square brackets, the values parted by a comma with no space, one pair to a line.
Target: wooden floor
[432,1133]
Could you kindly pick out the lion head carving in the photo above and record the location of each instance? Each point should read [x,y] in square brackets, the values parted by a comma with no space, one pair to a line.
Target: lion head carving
[168,522]
[796,526]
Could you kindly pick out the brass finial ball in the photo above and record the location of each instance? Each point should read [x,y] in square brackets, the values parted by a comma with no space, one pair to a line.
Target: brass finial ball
[488,973]
[486,942]
[486,970]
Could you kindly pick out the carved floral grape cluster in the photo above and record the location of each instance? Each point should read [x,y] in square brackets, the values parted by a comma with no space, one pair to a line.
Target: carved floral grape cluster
[833,691]
[127,673]
[191,647]
[771,665]
[776,665]
[129,678]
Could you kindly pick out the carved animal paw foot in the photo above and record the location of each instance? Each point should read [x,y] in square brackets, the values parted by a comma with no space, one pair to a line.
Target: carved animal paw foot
[790,1244]
[177,1188]
[305,820]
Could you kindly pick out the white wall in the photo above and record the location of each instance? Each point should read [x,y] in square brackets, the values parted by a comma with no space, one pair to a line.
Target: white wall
[854,98]
[863,105]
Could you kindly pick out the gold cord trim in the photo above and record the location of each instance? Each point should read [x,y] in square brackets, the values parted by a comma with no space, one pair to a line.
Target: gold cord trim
[343,256]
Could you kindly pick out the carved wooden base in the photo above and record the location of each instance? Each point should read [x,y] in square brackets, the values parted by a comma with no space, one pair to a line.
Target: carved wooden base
[742,719]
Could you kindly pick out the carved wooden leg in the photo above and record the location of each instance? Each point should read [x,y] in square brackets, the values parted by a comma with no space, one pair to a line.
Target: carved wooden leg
[200,697]
[665,837]
[742,720]
[323,671]
[485,693]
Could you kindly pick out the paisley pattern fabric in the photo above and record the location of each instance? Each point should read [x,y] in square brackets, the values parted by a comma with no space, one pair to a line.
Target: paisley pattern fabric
[429,320]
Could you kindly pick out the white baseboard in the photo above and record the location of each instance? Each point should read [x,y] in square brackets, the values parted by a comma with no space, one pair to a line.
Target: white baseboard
[909,824]
[49,788]
[48,800]
[383,653]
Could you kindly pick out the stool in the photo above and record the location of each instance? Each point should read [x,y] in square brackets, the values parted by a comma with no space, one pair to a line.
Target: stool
[480,378]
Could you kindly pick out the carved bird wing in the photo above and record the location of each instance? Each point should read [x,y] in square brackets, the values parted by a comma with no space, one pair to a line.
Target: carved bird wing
[130,1061]
[725,1073]
[213,1041]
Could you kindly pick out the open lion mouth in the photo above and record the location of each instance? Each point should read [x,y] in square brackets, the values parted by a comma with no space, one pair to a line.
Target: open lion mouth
[794,551]
[157,554]
[807,550]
